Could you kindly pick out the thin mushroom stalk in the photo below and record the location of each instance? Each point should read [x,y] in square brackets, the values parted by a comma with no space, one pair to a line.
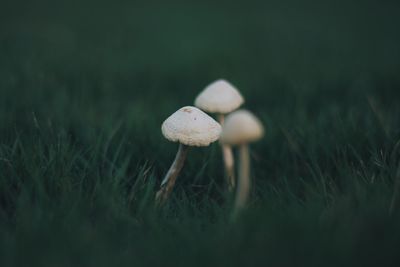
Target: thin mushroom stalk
[229,162]
[244,183]
[170,178]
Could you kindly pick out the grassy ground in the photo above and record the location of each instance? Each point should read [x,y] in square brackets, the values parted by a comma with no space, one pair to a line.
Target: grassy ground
[84,89]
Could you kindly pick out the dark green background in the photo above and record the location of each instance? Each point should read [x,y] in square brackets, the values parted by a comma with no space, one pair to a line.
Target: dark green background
[85,86]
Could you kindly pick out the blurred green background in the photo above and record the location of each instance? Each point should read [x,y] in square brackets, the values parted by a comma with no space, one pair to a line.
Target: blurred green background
[85,86]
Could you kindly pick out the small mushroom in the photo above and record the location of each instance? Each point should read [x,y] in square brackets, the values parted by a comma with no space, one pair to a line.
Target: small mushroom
[190,127]
[221,97]
[241,128]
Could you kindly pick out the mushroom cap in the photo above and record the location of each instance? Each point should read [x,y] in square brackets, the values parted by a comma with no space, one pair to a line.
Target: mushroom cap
[241,127]
[219,97]
[191,126]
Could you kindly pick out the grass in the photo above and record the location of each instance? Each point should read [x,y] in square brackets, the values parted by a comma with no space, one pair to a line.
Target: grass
[83,92]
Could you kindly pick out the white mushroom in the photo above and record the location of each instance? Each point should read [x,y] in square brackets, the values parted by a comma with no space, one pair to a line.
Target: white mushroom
[190,127]
[240,128]
[221,97]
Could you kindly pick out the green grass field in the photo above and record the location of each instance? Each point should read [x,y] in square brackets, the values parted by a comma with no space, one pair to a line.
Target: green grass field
[84,89]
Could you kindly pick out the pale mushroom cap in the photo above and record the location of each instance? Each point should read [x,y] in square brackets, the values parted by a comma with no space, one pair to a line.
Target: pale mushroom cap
[219,97]
[241,127]
[191,126]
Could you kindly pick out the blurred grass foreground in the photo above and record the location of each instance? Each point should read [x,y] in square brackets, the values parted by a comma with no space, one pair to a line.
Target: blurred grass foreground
[85,86]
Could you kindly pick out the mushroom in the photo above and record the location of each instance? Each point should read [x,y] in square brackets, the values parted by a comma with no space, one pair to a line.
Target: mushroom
[222,98]
[241,128]
[190,127]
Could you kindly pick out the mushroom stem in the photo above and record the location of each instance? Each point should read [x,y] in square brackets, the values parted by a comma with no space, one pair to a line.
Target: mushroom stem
[228,160]
[169,180]
[244,182]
